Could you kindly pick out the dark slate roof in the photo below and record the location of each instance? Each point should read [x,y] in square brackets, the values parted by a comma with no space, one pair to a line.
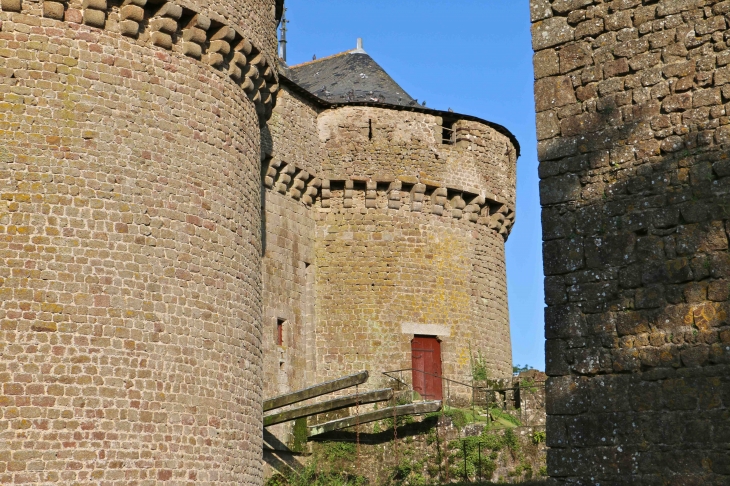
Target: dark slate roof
[351,76]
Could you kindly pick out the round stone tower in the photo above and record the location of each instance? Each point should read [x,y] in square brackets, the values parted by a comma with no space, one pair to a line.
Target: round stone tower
[130,287]
[416,207]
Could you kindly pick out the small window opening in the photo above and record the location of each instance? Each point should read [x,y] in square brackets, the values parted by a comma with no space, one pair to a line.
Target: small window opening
[448,134]
[280,332]
[370,129]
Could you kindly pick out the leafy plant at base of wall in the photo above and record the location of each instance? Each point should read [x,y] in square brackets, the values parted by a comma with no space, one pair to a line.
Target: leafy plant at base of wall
[337,451]
[479,370]
[490,444]
[524,468]
[408,473]
[500,483]
[400,420]
[511,441]
[459,416]
[538,436]
[456,461]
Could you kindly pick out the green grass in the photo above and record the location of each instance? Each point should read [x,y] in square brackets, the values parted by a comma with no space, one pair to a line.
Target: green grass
[489,483]
[461,417]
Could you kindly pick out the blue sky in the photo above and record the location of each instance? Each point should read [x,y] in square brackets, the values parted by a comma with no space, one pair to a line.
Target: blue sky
[470,55]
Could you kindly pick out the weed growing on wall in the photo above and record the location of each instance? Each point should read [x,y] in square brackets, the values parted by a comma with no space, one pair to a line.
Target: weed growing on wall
[479,370]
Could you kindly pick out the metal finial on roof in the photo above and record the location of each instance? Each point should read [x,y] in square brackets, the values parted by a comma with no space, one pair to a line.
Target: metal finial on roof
[359,49]
[282,41]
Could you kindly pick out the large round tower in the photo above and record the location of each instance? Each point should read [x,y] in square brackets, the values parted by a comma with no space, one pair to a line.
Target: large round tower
[130,287]
[416,207]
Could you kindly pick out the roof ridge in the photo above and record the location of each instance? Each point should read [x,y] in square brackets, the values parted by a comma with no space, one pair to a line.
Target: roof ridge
[322,59]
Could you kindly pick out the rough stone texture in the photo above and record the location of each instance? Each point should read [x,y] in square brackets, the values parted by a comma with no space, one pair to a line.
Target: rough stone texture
[385,144]
[633,147]
[130,283]
[401,267]
[288,257]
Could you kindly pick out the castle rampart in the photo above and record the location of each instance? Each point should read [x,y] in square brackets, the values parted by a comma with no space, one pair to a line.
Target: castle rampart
[130,279]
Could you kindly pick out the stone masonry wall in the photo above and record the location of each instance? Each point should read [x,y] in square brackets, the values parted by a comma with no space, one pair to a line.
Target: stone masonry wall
[631,99]
[288,293]
[130,285]
[289,259]
[367,141]
[293,128]
[378,269]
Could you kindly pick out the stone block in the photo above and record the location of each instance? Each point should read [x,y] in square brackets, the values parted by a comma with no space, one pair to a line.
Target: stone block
[547,125]
[565,6]
[551,32]
[53,10]
[556,148]
[11,5]
[556,432]
[670,7]
[707,97]
[575,56]
[553,92]
[95,18]
[161,39]
[566,395]
[615,68]
[540,9]
[563,256]
[132,12]
[564,321]
[546,63]
[631,323]
[560,189]
[590,28]
[620,20]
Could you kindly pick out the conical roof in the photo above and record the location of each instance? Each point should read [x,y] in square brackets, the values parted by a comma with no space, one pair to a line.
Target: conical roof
[349,76]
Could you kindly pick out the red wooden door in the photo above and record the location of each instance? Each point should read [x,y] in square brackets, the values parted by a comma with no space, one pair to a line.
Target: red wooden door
[426,364]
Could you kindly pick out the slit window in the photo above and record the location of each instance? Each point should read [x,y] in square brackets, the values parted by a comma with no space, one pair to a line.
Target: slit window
[370,129]
[280,332]
[448,134]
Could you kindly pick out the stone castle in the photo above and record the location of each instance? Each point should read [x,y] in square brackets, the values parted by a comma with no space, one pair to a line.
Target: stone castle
[189,226]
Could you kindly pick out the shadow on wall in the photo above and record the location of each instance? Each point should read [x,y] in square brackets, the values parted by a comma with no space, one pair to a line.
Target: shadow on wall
[635,188]
[267,148]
